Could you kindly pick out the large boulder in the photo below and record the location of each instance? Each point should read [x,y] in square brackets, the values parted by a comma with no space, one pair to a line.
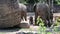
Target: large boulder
[9,13]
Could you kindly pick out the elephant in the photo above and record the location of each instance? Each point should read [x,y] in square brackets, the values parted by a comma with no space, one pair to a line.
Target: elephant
[42,10]
[9,13]
[23,11]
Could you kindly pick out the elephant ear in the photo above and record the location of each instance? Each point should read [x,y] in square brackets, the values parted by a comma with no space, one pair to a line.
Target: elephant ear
[34,7]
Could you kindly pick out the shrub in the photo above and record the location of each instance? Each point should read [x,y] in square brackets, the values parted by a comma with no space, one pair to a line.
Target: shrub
[40,22]
[57,21]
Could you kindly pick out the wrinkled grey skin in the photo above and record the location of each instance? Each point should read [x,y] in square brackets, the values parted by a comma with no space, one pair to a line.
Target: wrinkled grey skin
[9,13]
[23,11]
[42,10]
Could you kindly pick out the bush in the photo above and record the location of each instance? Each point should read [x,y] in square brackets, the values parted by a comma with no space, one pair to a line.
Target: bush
[57,21]
[42,28]
[40,22]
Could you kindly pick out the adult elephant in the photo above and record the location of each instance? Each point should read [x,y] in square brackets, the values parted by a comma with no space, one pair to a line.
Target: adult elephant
[23,11]
[9,13]
[42,10]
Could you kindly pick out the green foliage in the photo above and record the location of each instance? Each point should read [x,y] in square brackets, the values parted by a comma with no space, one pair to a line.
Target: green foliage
[57,25]
[28,1]
[42,28]
[57,2]
[57,29]
[23,1]
[57,21]
[31,1]
[40,22]
[49,33]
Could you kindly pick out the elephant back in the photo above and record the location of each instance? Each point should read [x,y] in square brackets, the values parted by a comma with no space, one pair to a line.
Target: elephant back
[22,7]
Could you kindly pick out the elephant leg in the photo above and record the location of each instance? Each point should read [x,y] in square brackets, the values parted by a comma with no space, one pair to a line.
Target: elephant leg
[35,20]
[25,17]
[49,21]
[45,23]
[21,18]
[49,24]
[36,15]
[51,18]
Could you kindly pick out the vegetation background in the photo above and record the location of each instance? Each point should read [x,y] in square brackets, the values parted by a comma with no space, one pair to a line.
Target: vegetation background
[35,1]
